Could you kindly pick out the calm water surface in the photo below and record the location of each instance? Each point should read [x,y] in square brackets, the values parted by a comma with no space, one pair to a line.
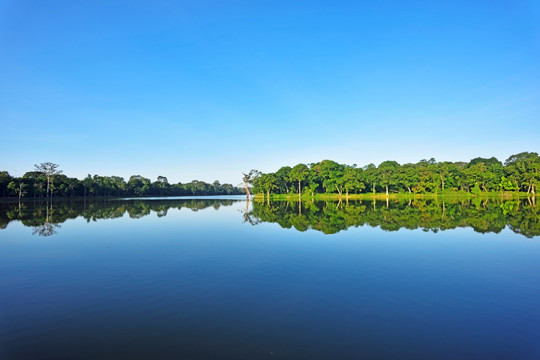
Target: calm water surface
[224,279]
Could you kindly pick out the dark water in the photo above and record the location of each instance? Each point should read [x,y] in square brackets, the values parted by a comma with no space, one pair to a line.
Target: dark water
[194,279]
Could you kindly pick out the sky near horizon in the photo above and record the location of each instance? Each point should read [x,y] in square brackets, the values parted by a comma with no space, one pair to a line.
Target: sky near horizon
[208,89]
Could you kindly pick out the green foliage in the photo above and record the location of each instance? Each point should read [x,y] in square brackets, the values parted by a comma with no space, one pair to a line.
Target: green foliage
[299,173]
[488,215]
[46,217]
[34,184]
[265,183]
[520,172]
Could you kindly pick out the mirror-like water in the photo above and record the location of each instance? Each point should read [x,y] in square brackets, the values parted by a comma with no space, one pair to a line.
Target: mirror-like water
[193,279]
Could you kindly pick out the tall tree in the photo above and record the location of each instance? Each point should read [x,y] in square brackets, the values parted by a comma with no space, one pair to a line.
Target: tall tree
[351,180]
[283,179]
[248,179]
[49,170]
[369,175]
[329,172]
[299,173]
[525,167]
[388,173]
[267,183]
[18,187]
[407,177]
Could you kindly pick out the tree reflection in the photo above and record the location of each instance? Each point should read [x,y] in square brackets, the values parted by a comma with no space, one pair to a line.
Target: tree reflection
[483,216]
[45,217]
[46,229]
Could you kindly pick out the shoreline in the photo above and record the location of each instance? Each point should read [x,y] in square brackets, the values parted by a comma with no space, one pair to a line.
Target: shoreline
[405,196]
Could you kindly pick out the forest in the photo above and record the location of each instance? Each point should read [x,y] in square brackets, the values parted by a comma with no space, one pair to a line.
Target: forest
[47,181]
[520,173]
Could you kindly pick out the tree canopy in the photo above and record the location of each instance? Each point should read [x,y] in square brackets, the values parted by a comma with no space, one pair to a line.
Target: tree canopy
[520,173]
[47,178]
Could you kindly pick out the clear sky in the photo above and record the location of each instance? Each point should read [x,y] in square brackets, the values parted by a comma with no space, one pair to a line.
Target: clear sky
[207,89]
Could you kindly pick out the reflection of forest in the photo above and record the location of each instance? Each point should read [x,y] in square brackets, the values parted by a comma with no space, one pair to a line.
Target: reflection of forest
[487,215]
[45,217]
[491,215]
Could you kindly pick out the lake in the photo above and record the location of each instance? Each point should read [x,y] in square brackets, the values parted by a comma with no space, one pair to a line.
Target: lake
[223,278]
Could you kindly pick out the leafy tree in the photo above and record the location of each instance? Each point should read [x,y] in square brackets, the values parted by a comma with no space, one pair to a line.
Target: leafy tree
[283,179]
[18,187]
[5,179]
[525,167]
[49,170]
[388,174]
[312,182]
[370,175]
[299,173]
[329,172]
[35,180]
[267,183]
[407,177]
[87,184]
[249,178]
[138,185]
[352,180]
[428,179]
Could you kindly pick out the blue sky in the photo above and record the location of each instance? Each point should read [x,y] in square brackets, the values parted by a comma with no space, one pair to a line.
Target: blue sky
[208,89]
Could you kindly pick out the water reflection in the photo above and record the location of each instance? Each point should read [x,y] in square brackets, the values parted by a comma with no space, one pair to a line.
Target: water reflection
[486,215]
[45,217]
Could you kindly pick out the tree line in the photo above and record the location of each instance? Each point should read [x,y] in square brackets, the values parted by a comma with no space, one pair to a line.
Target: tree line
[519,173]
[46,180]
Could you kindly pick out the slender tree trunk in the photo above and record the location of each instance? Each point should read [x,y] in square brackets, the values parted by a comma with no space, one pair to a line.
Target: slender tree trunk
[408,188]
[443,210]
[299,189]
[442,182]
[386,190]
